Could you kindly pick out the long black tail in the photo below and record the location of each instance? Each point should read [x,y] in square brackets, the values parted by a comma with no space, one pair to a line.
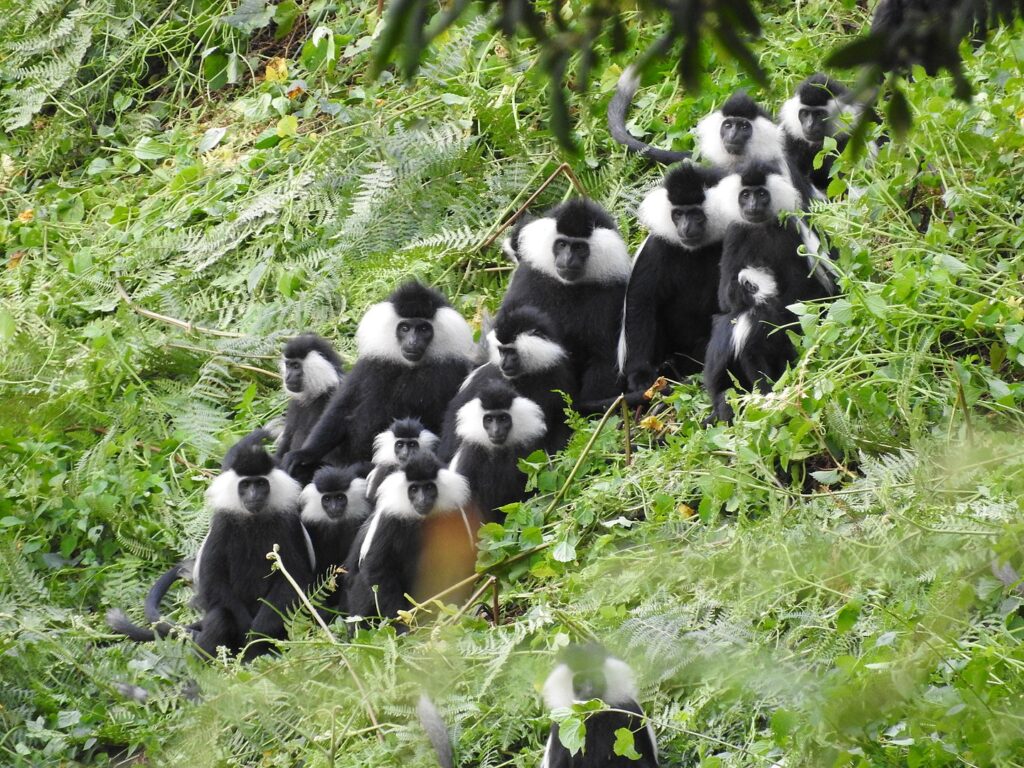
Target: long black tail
[618,108]
[437,731]
[156,594]
[119,622]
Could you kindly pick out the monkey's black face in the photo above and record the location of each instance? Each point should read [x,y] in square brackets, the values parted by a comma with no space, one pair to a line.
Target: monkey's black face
[404,448]
[691,224]
[571,254]
[335,504]
[755,204]
[414,337]
[815,123]
[510,363]
[293,374]
[498,425]
[254,493]
[735,133]
[423,496]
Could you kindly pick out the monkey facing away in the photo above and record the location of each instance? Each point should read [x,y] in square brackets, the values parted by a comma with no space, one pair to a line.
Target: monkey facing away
[588,672]
[414,352]
[573,265]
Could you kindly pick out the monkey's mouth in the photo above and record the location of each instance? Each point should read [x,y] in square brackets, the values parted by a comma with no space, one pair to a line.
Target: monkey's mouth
[413,355]
[734,147]
[570,274]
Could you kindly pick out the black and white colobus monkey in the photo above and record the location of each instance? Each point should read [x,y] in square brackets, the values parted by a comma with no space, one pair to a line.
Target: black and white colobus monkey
[673,288]
[414,352]
[738,132]
[334,506]
[387,561]
[312,371]
[525,351]
[255,506]
[574,266]
[492,431]
[813,113]
[762,273]
[588,672]
[752,200]
[393,448]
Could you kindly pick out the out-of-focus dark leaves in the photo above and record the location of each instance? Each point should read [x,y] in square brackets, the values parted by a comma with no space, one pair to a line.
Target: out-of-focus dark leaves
[903,33]
[899,115]
[862,51]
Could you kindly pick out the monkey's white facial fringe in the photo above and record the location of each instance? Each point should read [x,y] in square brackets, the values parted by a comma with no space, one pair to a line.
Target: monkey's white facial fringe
[765,142]
[609,260]
[469,424]
[536,244]
[722,204]
[312,507]
[655,213]
[375,336]
[384,446]
[708,135]
[539,354]
[763,280]
[784,195]
[528,423]
[620,687]
[222,495]
[318,376]
[453,338]
[557,691]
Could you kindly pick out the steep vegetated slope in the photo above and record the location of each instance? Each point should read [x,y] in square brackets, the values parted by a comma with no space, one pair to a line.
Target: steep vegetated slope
[830,581]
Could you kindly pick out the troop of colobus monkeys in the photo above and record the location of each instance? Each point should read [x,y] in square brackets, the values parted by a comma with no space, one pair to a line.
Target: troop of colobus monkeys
[382,475]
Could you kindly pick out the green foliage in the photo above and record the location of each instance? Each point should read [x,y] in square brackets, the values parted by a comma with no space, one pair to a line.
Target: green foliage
[830,581]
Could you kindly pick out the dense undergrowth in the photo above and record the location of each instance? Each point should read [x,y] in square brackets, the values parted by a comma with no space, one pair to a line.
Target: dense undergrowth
[831,581]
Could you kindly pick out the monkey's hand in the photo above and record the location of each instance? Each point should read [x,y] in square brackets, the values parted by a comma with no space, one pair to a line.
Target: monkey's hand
[640,380]
[299,461]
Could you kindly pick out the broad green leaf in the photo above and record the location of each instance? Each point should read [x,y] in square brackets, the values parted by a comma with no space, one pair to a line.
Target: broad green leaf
[847,616]
[572,732]
[211,138]
[287,126]
[625,745]
[149,148]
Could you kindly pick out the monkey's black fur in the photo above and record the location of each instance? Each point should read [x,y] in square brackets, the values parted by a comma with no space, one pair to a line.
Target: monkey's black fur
[673,288]
[334,506]
[383,561]
[414,353]
[574,266]
[493,430]
[311,371]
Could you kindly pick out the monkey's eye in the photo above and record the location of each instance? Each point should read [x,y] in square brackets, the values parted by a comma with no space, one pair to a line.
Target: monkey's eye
[762,194]
[744,194]
[560,242]
[744,126]
[403,327]
[424,327]
[677,214]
